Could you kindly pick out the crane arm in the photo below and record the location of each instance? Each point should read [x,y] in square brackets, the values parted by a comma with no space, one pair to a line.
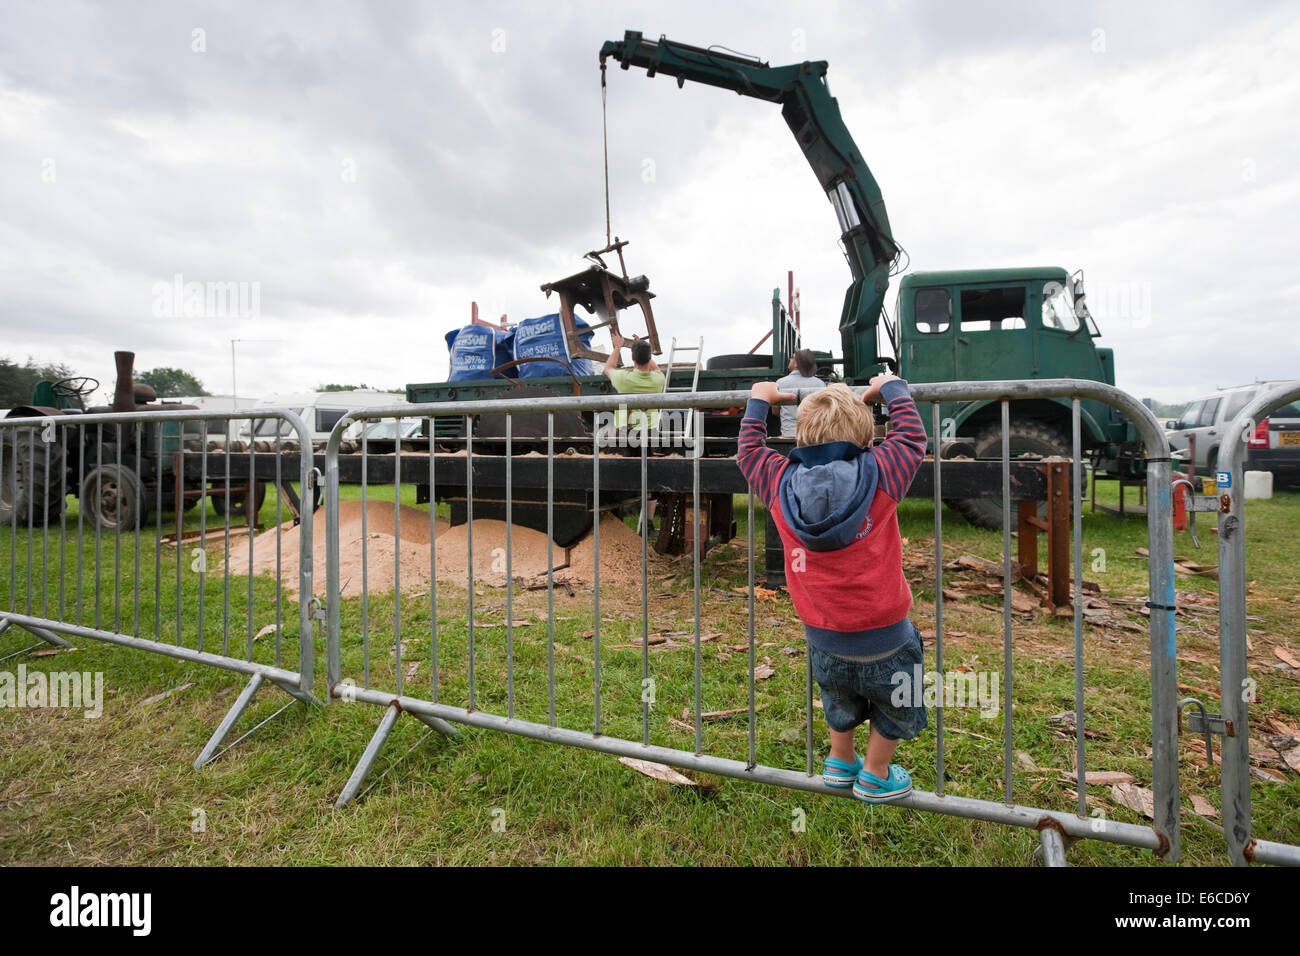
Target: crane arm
[814,118]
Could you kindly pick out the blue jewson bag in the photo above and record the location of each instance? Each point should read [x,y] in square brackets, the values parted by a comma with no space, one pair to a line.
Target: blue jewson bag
[476,350]
[543,337]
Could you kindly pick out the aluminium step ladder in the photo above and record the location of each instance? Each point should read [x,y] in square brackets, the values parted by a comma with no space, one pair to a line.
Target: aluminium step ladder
[673,349]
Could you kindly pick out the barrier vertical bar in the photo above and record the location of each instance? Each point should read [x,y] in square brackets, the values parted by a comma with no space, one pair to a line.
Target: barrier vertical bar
[397,549]
[157,550]
[139,520]
[936,431]
[510,580]
[63,519]
[365,562]
[645,585]
[749,628]
[203,542]
[251,511]
[308,496]
[45,536]
[31,506]
[98,514]
[1164,649]
[1007,746]
[698,436]
[469,547]
[1080,759]
[595,589]
[550,569]
[117,530]
[433,569]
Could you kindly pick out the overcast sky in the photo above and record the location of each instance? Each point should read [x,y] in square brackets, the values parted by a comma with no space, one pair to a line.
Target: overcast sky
[370,170]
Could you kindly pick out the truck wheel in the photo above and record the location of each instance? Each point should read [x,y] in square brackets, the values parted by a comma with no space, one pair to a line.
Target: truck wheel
[111,497]
[1027,437]
[739,361]
[24,462]
[237,500]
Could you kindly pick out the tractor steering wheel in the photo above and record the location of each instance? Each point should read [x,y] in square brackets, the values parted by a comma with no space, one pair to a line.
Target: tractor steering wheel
[74,386]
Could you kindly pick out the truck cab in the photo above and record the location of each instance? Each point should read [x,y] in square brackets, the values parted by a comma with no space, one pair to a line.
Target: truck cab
[994,324]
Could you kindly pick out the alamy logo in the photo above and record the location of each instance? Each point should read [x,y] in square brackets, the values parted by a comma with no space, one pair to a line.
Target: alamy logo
[134,910]
[958,688]
[206,300]
[73,690]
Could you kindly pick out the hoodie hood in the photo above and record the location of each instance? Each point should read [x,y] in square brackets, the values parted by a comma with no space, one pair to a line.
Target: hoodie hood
[827,493]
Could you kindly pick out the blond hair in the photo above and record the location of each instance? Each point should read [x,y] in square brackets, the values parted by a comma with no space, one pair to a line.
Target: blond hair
[833,413]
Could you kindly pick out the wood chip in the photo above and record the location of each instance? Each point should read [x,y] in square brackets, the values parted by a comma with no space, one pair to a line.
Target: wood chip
[51,651]
[763,672]
[1101,778]
[411,668]
[1138,799]
[1202,807]
[1285,656]
[658,771]
[164,695]
[269,629]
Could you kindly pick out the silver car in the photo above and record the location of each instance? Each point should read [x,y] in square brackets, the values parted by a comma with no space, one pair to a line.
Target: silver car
[1274,444]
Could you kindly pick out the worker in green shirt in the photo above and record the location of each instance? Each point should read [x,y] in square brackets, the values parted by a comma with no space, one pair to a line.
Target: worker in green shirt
[643,378]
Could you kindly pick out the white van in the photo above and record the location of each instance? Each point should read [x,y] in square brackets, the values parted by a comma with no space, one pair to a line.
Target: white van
[218,432]
[321,411]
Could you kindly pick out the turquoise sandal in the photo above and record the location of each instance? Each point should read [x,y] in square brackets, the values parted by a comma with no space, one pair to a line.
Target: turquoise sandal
[872,789]
[840,775]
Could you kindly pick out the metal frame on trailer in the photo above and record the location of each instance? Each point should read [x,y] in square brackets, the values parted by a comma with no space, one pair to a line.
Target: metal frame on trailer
[298,684]
[1163,837]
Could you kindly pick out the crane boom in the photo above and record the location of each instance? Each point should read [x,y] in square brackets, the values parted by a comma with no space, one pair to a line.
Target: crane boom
[814,118]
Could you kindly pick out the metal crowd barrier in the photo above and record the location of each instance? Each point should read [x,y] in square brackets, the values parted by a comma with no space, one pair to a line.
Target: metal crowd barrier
[428,705]
[70,578]
[1234,691]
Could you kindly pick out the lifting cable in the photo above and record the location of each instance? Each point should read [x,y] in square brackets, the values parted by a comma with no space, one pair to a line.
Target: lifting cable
[604,133]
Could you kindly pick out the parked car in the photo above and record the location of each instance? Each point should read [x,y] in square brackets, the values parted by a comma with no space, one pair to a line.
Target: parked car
[1273,446]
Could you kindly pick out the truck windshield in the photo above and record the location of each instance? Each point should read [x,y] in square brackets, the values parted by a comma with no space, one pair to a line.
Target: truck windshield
[1058,308]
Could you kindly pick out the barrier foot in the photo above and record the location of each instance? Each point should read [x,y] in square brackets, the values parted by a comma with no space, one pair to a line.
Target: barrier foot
[367,761]
[241,704]
[302,695]
[1051,848]
[437,723]
[47,636]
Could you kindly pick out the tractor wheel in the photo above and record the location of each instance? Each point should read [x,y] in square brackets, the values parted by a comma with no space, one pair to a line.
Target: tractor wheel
[111,497]
[30,482]
[237,500]
[1027,438]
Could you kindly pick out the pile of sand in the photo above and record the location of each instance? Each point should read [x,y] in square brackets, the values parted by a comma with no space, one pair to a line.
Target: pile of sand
[620,552]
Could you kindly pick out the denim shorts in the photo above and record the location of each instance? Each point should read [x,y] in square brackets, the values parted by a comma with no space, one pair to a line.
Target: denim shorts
[854,692]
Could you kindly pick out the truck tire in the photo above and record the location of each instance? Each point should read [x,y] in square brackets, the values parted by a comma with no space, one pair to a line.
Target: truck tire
[111,498]
[1033,437]
[24,461]
[739,361]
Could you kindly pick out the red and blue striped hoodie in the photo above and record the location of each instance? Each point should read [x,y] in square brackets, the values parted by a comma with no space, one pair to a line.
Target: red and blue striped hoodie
[835,507]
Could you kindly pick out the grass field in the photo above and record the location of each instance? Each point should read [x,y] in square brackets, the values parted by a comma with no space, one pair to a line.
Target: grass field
[119,789]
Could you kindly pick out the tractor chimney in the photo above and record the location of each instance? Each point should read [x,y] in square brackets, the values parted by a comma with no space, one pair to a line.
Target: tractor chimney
[124,396]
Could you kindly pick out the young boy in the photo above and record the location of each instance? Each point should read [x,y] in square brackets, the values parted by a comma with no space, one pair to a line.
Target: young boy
[834,502]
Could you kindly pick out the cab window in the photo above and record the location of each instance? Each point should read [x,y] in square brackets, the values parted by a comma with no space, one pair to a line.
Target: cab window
[933,310]
[1190,414]
[993,310]
[1209,411]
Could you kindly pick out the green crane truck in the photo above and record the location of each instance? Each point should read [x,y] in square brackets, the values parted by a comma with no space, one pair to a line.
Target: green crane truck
[985,324]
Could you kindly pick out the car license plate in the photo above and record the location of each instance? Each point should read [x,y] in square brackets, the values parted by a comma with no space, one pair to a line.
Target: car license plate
[1288,438]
